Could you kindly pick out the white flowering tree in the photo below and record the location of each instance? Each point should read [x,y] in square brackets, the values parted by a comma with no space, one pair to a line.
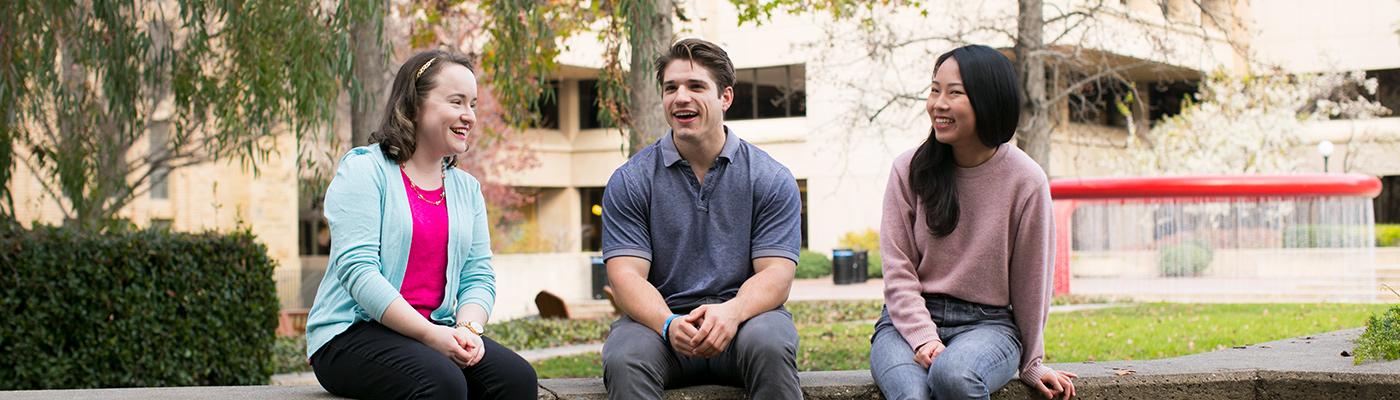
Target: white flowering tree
[1246,124]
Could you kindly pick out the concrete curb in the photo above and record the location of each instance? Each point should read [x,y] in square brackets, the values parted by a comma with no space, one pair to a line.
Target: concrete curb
[1308,367]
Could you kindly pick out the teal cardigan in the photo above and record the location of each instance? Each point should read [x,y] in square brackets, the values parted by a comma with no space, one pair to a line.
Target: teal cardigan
[371,228]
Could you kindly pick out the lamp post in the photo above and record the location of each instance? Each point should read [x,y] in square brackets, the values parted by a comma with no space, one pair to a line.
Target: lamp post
[1325,148]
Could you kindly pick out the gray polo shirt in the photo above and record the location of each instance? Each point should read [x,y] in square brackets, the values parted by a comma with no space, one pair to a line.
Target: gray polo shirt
[701,240]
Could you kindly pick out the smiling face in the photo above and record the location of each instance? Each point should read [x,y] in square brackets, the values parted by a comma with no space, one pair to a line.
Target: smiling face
[448,114]
[693,103]
[948,107]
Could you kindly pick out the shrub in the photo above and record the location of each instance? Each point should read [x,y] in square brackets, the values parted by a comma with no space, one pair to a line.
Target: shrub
[876,269]
[868,240]
[811,264]
[1312,236]
[1187,258]
[536,333]
[1381,340]
[134,308]
[1387,235]
[289,355]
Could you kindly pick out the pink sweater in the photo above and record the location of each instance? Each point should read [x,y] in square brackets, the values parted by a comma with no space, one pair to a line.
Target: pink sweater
[1000,253]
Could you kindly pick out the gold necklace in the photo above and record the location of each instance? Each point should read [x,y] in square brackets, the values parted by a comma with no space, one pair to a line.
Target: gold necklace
[418,191]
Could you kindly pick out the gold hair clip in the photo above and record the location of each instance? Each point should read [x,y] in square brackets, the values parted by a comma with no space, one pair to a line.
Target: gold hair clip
[424,68]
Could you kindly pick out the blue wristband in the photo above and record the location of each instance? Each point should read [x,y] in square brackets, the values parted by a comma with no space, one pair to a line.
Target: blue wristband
[666,329]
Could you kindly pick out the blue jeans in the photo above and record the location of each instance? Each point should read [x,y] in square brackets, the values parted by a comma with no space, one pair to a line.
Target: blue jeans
[983,353]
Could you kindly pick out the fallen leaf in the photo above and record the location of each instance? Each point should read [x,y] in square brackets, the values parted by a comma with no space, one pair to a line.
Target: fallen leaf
[1266,347]
[1123,371]
[1345,353]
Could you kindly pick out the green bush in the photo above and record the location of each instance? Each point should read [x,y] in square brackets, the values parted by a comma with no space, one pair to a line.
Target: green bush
[811,264]
[289,355]
[134,308]
[1188,258]
[868,239]
[536,333]
[1387,235]
[1381,340]
[1312,236]
[876,268]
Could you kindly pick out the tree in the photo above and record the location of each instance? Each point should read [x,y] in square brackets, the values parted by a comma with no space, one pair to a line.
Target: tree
[1051,70]
[85,81]
[524,45]
[1248,124]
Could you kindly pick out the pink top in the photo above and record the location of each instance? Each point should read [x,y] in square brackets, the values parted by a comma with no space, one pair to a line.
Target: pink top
[1000,253]
[425,280]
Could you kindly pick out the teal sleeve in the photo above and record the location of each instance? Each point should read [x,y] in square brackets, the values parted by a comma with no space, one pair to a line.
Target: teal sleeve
[478,278]
[354,210]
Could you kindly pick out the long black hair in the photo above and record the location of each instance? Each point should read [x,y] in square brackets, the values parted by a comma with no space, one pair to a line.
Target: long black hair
[990,81]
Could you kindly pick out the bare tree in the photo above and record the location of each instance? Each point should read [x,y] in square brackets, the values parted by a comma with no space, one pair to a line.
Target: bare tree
[1061,49]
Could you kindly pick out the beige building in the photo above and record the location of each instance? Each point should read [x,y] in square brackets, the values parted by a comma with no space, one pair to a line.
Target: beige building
[806,87]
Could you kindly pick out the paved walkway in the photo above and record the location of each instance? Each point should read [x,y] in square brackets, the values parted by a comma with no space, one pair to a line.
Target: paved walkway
[825,289]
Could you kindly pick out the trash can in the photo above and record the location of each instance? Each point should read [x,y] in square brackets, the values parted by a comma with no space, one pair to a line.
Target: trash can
[600,277]
[860,269]
[841,261]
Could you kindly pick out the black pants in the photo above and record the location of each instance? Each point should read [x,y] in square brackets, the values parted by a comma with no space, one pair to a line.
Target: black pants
[371,361]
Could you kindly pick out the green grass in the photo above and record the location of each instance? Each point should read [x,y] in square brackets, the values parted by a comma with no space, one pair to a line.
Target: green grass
[578,366]
[1160,330]
[836,335]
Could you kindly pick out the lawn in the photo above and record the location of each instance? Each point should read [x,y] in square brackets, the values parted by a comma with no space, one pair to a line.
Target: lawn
[836,335]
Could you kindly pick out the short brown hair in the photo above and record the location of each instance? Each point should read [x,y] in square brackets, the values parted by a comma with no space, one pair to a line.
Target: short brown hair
[415,79]
[709,55]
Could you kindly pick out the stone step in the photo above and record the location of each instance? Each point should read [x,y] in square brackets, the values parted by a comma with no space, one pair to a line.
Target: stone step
[589,309]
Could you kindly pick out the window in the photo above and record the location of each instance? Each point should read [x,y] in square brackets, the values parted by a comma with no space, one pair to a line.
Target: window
[162,224]
[548,107]
[769,92]
[802,191]
[1165,99]
[1387,89]
[313,231]
[591,198]
[158,139]
[1097,103]
[1387,205]
[588,108]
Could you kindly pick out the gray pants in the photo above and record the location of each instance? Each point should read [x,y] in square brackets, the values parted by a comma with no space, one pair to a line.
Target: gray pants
[762,358]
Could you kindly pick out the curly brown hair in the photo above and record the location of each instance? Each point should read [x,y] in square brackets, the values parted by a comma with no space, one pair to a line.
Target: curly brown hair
[396,134]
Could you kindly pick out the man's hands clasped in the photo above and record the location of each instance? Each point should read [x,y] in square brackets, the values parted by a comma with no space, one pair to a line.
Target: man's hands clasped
[706,331]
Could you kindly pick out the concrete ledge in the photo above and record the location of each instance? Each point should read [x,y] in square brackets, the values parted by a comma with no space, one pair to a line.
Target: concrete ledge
[1309,367]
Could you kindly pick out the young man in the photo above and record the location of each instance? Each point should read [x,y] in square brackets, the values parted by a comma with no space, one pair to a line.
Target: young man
[700,233]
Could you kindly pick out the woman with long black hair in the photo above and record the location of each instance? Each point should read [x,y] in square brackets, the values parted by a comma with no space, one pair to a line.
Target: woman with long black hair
[967,245]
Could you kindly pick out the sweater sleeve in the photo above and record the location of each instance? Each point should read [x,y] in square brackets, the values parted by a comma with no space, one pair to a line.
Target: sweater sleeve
[1031,262]
[477,281]
[900,256]
[353,208]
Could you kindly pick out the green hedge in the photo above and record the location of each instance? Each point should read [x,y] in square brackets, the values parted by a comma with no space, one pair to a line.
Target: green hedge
[1188,258]
[876,269]
[811,264]
[1388,235]
[130,308]
[1306,236]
